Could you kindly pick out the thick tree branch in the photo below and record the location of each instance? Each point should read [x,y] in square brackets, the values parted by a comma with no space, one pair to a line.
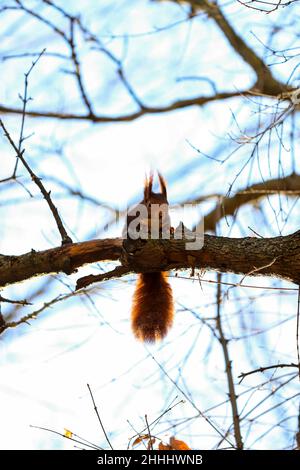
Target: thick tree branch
[229,205]
[66,258]
[278,256]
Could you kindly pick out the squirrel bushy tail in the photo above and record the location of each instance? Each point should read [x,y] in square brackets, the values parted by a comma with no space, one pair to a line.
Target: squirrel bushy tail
[153,307]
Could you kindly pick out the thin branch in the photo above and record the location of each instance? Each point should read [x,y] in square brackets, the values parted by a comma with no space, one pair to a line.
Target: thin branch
[22,55]
[18,302]
[91,278]
[270,6]
[65,237]
[266,83]
[149,434]
[179,104]
[297,330]
[5,325]
[255,270]
[99,419]
[25,100]
[80,194]
[155,421]
[39,17]
[263,369]
[228,365]
[81,441]
[200,413]
[77,70]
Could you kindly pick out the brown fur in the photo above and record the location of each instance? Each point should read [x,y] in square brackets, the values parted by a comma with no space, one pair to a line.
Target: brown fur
[153,307]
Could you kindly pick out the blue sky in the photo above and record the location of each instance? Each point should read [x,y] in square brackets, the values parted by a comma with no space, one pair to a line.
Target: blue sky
[46,365]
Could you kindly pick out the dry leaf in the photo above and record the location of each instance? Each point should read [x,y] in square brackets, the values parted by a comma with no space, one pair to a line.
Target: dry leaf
[68,433]
[174,444]
[178,445]
[140,439]
[164,446]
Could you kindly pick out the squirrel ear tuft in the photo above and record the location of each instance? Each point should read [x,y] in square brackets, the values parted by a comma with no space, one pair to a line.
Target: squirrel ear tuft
[150,182]
[146,191]
[148,186]
[163,184]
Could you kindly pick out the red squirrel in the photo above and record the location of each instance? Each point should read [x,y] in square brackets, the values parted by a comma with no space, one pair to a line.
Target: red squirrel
[153,306]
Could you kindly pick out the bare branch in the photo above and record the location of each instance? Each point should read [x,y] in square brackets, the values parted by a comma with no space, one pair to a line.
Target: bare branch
[228,367]
[229,205]
[265,83]
[99,419]
[91,279]
[65,237]
[17,302]
[77,70]
[278,256]
[197,101]
[5,325]
[266,6]
[297,330]
[25,100]
[263,369]
[65,259]
[80,441]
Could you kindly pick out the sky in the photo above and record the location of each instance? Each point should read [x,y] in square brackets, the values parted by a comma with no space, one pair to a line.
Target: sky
[46,366]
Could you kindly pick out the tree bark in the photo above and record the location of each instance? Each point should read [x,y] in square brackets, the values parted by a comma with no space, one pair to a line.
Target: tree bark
[278,256]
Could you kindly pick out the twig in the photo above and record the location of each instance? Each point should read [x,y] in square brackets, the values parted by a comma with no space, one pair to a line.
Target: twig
[65,237]
[22,55]
[25,100]
[297,330]
[270,6]
[263,369]
[233,397]
[99,419]
[84,196]
[77,71]
[19,302]
[156,420]
[149,434]
[5,325]
[39,17]
[200,413]
[253,271]
[83,441]
[91,278]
